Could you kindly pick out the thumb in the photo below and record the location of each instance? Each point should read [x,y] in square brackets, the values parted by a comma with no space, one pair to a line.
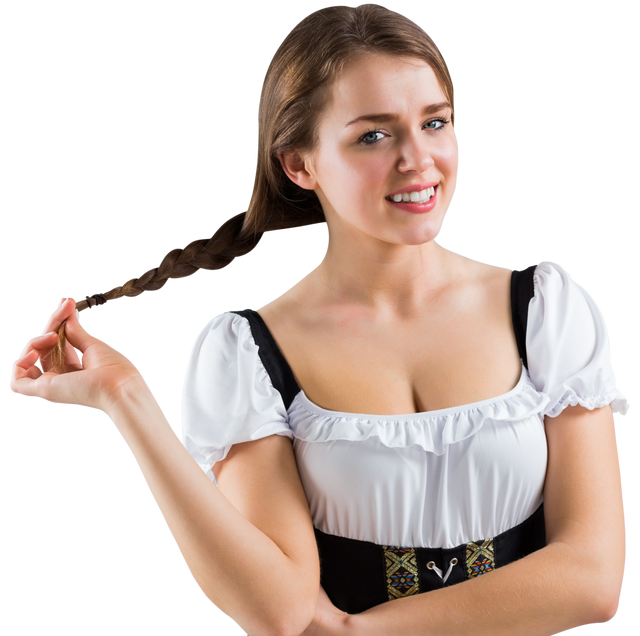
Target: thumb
[75,332]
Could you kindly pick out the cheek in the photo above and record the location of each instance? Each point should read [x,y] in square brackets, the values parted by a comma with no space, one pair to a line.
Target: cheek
[360,177]
[448,158]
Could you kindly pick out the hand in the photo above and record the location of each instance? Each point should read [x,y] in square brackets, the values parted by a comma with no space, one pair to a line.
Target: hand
[96,381]
[328,619]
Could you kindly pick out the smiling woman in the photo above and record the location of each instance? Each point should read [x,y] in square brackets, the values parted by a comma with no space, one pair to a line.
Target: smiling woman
[364,170]
[404,441]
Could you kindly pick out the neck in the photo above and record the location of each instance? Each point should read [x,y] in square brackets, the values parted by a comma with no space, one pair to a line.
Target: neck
[386,278]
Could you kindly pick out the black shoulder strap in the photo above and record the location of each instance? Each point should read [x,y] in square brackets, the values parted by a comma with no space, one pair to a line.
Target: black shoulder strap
[274,362]
[521,293]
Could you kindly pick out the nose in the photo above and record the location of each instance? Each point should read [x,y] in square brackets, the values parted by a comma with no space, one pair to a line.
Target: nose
[415,155]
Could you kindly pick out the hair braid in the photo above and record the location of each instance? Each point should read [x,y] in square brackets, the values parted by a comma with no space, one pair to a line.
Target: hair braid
[234,238]
[295,92]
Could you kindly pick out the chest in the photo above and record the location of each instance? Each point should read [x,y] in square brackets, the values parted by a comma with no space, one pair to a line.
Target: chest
[463,351]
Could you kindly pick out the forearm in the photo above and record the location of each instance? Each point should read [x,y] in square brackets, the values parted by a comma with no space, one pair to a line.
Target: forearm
[237,566]
[547,592]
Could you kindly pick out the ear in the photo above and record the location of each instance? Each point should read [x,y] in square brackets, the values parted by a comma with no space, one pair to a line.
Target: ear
[297,166]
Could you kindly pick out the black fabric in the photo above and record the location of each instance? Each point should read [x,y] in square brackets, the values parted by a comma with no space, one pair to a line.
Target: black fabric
[353,572]
[521,293]
[274,362]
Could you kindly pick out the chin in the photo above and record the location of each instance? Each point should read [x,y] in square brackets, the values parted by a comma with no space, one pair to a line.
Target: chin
[410,240]
[419,236]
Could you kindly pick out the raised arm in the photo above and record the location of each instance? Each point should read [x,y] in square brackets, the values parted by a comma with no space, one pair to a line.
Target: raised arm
[254,556]
[574,580]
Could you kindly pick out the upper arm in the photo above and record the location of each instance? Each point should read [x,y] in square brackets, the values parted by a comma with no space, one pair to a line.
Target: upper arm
[260,478]
[583,497]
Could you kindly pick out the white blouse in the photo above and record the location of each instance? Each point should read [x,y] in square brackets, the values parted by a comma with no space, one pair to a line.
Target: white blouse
[434,479]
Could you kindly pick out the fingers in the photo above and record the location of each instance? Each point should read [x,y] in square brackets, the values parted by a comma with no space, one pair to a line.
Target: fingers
[38,348]
[30,381]
[78,337]
[24,368]
[35,345]
[32,372]
[62,313]
[66,358]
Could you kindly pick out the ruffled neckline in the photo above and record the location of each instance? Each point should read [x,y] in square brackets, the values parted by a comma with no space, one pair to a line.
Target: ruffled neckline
[432,430]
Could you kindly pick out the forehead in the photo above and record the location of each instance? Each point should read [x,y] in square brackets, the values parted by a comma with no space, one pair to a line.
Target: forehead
[383,84]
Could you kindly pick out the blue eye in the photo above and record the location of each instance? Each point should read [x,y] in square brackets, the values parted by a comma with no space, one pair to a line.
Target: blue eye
[371,137]
[440,121]
[366,139]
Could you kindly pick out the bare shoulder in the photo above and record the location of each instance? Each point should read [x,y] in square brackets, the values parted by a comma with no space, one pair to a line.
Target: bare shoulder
[474,265]
[346,358]
[468,270]
[477,289]
[293,308]
[282,305]
[296,306]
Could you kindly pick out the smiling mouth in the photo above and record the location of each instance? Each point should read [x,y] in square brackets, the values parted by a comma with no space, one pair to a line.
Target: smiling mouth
[415,196]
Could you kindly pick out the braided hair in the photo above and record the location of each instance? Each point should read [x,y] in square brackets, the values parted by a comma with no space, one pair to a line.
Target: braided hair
[295,92]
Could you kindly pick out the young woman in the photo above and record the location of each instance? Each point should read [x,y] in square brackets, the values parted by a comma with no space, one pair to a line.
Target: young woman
[393,423]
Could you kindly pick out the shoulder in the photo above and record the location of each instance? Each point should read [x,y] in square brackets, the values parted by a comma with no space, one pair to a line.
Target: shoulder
[297,311]
[229,325]
[551,275]
[466,273]
[223,348]
[558,302]
[482,289]
[568,345]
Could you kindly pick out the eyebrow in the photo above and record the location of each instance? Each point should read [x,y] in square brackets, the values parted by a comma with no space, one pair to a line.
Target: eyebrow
[385,117]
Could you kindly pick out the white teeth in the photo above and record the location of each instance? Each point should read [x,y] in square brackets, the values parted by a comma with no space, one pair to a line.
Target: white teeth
[421,196]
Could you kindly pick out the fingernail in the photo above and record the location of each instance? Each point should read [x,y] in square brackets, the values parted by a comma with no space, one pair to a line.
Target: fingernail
[78,315]
[62,300]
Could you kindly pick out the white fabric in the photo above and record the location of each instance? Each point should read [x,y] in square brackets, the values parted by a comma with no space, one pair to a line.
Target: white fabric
[434,479]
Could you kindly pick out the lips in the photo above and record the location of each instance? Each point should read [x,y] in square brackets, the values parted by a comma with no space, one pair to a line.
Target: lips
[419,206]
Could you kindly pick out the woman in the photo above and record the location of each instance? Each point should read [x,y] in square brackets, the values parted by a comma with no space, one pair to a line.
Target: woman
[471,373]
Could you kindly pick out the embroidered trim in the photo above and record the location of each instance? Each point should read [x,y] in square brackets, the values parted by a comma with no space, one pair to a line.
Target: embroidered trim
[480,558]
[401,566]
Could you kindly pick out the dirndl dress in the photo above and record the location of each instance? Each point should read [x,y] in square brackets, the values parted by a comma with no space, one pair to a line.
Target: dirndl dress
[358,575]
[405,504]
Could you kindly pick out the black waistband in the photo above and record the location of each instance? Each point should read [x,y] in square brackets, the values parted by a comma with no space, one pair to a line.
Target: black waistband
[358,575]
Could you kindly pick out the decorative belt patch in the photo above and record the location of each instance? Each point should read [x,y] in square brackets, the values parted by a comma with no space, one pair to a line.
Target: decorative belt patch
[401,567]
[480,558]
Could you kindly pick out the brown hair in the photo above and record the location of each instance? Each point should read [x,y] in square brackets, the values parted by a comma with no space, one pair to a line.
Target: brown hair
[294,94]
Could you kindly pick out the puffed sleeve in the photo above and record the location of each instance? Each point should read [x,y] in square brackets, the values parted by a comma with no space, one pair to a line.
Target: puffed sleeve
[228,396]
[568,346]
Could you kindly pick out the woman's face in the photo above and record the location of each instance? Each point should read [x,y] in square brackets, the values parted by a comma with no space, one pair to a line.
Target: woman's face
[385,135]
